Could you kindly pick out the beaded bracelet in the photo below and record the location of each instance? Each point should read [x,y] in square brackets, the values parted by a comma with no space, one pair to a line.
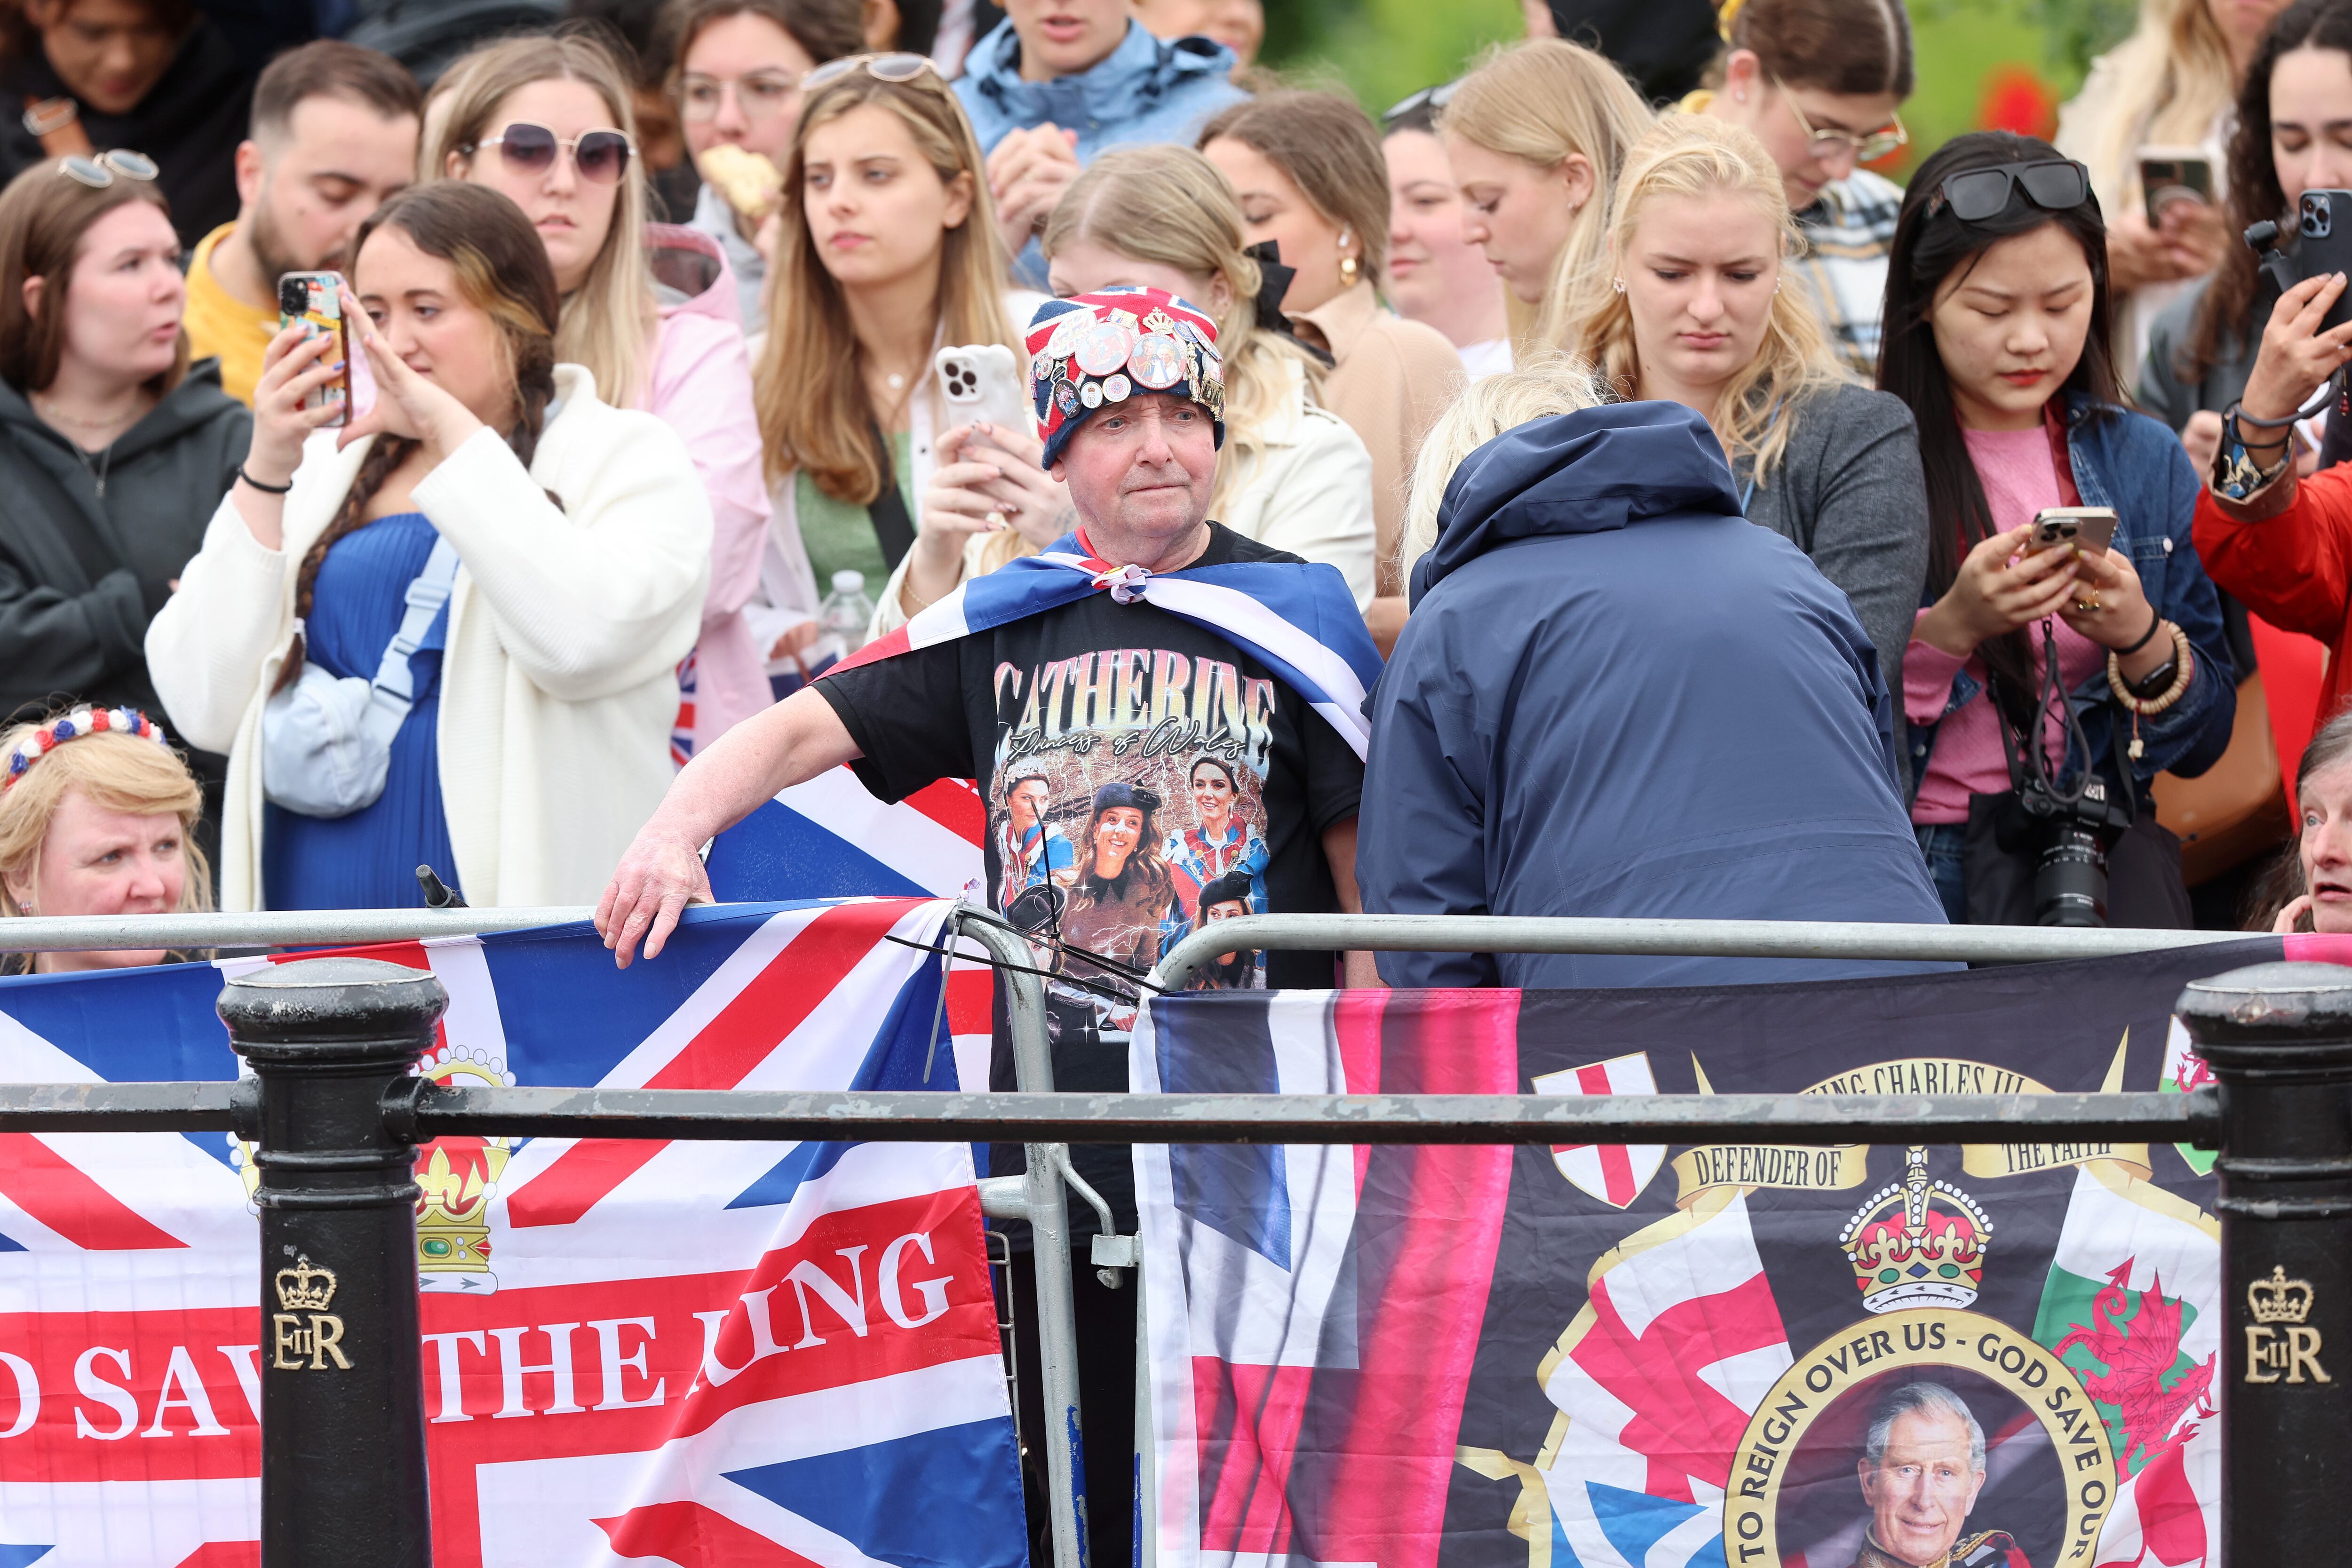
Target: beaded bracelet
[2149,707]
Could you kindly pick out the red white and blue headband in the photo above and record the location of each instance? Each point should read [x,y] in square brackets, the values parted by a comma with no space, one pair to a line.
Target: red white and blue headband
[73,726]
[1098,348]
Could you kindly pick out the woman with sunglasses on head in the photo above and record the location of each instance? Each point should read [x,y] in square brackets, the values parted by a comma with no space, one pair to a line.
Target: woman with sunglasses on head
[524,559]
[736,79]
[113,448]
[886,256]
[1307,170]
[2169,88]
[1820,82]
[649,309]
[1998,337]
[1535,137]
[1695,305]
[2291,137]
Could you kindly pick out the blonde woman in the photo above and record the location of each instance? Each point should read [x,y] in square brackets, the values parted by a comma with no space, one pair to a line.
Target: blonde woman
[649,309]
[98,817]
[1292,475]
[1535,136]
[2173,83]
[1689,307]
[887,252]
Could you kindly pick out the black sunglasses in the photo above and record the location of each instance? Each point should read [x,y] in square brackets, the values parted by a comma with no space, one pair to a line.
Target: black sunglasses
[1975,195]
[599,155]
[1428,99]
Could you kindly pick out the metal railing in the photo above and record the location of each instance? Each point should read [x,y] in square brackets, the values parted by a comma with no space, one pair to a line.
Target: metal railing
[337,1115]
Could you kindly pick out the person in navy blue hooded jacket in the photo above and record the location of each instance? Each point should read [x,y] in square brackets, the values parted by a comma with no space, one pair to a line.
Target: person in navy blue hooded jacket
[1615,696]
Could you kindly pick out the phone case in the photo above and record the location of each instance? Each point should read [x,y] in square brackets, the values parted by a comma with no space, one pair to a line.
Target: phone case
[314,298]
[2322,243]
[981,382]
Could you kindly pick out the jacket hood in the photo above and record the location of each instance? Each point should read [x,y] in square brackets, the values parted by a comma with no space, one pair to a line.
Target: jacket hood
[691,276]
[1121,86]
[1587,472]
[198,400]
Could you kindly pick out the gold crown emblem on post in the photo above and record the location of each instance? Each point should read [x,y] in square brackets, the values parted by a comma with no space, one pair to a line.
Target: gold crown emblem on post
[2279,1299]
[1917,1243]
[306,1287]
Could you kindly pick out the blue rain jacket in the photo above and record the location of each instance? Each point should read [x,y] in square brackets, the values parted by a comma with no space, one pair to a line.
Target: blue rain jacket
[1615,696]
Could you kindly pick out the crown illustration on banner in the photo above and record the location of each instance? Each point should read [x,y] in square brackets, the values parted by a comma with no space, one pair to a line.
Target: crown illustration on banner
[306,1287]
[458,1176]
[1917,1243]
[2279,1299]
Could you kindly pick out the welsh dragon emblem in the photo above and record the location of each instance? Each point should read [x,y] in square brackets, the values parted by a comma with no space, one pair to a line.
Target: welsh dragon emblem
[2136,1335]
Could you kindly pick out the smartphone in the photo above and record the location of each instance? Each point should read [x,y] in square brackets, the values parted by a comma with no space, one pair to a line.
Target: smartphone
[316,300]
[2084,530]
[2168,174]
[2323,244]
[980,383]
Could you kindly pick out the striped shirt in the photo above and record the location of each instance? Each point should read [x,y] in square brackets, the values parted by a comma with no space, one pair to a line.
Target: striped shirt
[1851,227]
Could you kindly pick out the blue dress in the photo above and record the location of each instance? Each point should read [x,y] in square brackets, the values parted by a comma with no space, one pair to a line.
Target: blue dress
[368,860]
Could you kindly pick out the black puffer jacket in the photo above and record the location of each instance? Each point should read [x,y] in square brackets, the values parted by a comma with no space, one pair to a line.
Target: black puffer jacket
[82,573]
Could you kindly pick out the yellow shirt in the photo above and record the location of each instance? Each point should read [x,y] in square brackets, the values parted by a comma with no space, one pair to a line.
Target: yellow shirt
[218,322]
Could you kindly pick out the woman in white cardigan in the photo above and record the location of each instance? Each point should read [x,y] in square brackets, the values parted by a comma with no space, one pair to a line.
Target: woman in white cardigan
[535,736]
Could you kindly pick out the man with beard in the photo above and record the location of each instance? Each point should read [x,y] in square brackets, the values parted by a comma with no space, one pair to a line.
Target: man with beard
[334,133]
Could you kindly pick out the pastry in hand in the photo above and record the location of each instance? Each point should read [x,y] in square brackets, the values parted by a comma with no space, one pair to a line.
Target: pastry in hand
[748,181]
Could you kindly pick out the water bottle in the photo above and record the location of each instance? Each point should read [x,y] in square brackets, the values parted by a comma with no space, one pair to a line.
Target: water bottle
[847,612]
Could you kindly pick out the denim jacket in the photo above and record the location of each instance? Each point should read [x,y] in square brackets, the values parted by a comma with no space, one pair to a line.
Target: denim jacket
[1147,89]
[2132,463]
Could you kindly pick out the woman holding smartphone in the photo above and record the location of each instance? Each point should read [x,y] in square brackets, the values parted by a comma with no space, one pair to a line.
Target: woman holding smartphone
[1997,337]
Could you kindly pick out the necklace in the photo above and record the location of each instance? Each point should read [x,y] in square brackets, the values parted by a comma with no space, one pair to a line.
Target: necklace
[56,416]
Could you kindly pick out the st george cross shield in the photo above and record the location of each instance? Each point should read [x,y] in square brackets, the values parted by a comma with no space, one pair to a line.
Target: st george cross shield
[1614,1173]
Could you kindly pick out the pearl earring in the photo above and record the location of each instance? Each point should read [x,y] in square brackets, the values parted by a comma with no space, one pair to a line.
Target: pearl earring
[1349,268]
[1618,284]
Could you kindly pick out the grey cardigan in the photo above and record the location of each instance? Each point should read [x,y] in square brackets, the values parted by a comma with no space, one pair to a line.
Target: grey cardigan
[1848,491]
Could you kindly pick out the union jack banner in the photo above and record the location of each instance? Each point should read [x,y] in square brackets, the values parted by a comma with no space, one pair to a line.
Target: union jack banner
[697,1353]
[1734,1356]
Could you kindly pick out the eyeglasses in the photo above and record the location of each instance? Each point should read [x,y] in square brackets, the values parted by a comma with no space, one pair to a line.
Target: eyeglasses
[898,68]
[763,95]
[599,155]
[1427,100]
[1867,147]
[103,170]
[1974,195]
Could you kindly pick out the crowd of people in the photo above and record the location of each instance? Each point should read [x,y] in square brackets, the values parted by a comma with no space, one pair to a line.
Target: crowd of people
[1587,490]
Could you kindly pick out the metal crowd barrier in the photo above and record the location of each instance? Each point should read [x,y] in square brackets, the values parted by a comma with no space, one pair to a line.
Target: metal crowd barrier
[336,1117]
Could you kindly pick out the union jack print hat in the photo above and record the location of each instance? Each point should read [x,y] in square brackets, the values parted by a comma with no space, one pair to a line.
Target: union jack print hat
[1105,347]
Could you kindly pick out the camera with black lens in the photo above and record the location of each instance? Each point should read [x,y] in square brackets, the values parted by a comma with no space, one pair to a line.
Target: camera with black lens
[2069,840]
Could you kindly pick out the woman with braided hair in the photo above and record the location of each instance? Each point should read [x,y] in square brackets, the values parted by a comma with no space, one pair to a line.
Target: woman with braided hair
[446,635]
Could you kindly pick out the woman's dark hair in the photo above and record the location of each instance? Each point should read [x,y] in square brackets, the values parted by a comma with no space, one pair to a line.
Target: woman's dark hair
[43,216]
[1831,46]
[1233,782]
[2224,312]
[1928,250]
[827,29]
[503,271]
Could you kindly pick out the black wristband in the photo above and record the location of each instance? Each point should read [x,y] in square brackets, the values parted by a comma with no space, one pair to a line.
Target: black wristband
[281,489]
[2145,638]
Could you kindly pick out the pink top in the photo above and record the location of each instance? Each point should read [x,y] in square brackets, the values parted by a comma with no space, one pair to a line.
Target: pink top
[700,384]
[2020,478]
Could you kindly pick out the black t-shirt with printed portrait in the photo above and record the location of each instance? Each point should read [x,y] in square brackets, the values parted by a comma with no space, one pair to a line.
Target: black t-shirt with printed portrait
[1133,758]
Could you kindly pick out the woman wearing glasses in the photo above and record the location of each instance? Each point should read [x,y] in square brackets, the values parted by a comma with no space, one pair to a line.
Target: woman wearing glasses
[1819,82]
[1998,316]
[887,254]
[648,310]
[737,83]
[113,448]
[1694,305]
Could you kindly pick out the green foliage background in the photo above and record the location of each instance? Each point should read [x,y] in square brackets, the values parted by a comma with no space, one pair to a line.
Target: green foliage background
[1383,49]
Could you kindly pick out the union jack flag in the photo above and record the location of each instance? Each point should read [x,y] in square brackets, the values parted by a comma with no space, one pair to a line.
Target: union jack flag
[693,1354]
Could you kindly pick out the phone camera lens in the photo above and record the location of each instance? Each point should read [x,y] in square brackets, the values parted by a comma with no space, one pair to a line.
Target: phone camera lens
[293,296]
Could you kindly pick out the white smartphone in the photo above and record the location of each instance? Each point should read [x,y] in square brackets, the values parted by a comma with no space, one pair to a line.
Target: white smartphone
[981,383]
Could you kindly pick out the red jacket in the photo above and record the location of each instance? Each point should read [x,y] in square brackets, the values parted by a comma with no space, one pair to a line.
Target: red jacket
[2287,556]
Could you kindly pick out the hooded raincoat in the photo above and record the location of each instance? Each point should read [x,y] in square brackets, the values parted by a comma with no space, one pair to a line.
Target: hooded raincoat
[1617,697]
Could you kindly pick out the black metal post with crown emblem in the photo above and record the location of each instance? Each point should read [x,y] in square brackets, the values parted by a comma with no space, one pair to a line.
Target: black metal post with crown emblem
[331,1042]
[2278,1038]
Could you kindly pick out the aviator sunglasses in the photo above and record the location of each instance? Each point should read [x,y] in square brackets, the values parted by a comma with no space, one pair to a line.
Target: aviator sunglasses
[599,155]
[1974,195]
